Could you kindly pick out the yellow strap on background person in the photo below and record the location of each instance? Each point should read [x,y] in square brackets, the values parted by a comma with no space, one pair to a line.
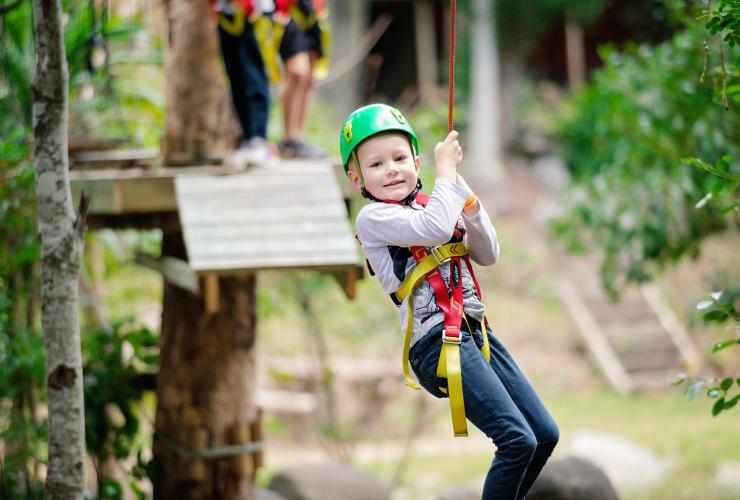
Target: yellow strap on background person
[304,22]
[321,69]
[235,26]
[265,33]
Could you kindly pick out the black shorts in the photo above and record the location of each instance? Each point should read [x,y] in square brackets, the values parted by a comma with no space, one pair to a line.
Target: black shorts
[296,41]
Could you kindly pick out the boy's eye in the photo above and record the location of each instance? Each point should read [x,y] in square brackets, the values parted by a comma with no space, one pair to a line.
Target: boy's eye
[375,164]
[401,157]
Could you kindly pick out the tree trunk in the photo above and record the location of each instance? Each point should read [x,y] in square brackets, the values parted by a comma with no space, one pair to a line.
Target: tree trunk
[198,106]
[206,382]
[62,235]
[484,154]
[575,55]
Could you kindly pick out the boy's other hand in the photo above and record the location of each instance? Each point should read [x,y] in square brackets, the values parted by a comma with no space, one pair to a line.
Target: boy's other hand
[447,156]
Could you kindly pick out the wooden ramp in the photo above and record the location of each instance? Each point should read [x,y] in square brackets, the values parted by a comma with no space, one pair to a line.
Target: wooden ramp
[638,342]
[288,216]
[235,220]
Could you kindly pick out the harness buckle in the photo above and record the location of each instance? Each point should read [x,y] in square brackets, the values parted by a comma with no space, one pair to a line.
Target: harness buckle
[451,339]
[438,257]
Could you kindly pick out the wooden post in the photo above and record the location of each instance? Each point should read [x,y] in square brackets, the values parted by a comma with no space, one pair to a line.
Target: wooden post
[241,433]
[426,56]
[575,55]
[256,431]
[194,435]
[211,294]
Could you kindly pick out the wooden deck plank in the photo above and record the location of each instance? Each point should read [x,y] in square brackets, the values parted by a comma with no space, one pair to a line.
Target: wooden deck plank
[227,266]
[289,216]
[229,230]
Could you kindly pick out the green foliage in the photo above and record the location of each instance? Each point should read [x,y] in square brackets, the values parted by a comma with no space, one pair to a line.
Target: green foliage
[651,147]
[724,20]
[115,364]
[527,20]
[21,376]
[120,97]
[624,142]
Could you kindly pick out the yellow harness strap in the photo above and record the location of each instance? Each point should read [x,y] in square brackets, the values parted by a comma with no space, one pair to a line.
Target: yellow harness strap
[449,361]
[234,27]
[269,35]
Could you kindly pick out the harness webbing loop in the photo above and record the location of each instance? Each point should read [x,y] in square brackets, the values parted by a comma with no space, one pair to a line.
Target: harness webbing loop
[427,266]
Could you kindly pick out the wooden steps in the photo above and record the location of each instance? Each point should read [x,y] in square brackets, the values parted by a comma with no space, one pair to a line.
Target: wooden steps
[637,341]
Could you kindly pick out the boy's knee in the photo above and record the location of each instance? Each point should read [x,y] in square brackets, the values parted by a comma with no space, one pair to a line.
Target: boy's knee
[551,436]
[523,443]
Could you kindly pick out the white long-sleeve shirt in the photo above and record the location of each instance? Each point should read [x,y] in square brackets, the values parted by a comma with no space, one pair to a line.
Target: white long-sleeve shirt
[386,232]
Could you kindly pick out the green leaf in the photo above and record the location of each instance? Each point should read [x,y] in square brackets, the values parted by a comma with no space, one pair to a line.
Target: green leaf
[724,344]
[718,406]
[732,402]
[726,384]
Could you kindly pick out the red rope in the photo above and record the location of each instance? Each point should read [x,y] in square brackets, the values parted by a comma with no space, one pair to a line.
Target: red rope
[451,82]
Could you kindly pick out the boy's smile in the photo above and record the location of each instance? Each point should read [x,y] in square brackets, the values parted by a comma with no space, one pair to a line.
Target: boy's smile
[388,166]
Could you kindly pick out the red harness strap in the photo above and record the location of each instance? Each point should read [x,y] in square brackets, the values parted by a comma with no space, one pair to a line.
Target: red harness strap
[451,303]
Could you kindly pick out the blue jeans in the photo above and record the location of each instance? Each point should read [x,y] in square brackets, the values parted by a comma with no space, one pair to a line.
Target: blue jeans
[250,91]
[500,402]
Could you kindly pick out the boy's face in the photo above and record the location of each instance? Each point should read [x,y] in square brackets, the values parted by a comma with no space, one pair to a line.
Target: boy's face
[388,166]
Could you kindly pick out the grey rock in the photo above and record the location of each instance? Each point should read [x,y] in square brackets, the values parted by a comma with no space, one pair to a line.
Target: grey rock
[728,475]
[460,493]
[572,478]
[330,481]
[268,495]
[627,464]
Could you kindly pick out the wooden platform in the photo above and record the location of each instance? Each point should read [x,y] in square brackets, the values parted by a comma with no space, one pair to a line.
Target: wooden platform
[288,216]
[234,220]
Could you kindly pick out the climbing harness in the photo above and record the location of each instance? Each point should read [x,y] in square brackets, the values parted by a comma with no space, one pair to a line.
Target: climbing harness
[450,301]
[269,29]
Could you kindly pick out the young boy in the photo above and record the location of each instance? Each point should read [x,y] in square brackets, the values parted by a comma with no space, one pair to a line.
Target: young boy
[418,248]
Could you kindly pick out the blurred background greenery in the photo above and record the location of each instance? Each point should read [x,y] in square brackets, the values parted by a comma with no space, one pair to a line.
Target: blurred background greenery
[650,143]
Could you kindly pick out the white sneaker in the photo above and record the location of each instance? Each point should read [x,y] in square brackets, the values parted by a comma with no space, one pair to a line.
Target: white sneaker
[256,151]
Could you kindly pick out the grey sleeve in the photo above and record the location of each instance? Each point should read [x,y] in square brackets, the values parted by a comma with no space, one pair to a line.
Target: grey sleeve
[385,224]
[481,239]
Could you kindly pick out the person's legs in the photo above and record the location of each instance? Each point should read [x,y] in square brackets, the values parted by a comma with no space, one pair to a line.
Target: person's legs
[295,88]
[298,59]
[305,99]
[529,404]
[489,407]
[248,81]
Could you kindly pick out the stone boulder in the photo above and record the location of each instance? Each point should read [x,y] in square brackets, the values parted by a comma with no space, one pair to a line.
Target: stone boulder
[460,493]
[572,478]
[330,481]
[268,495]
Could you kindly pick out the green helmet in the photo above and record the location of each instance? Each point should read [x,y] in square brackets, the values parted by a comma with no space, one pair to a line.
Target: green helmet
[368,121]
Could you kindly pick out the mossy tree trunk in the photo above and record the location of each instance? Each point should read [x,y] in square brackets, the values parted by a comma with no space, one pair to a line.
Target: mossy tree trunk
[206,382]
[62,238]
